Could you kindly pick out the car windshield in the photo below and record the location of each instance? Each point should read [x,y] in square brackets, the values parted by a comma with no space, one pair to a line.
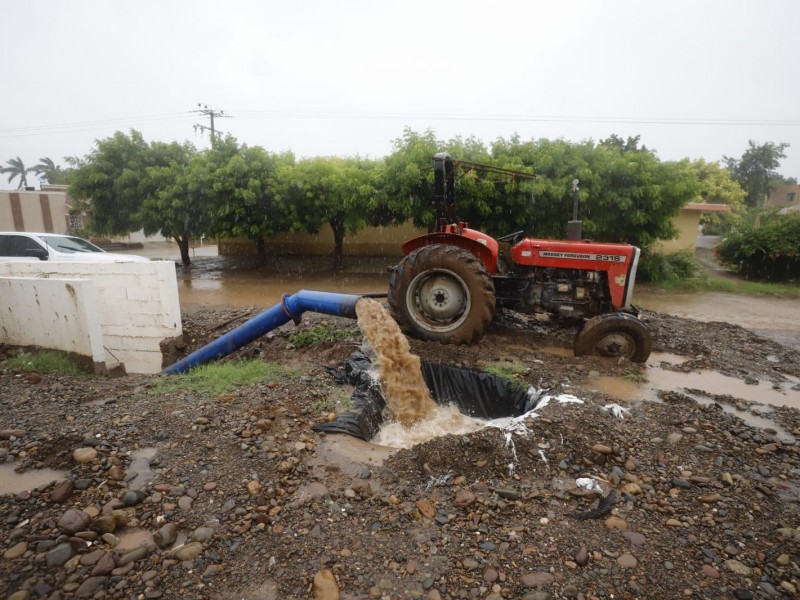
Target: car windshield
[65,243]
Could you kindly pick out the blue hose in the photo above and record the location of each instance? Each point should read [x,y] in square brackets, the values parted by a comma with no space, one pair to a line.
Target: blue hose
[290,308]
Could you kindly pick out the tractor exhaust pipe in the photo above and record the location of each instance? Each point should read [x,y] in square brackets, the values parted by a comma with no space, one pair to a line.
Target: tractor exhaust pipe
[574,233]
[290,308]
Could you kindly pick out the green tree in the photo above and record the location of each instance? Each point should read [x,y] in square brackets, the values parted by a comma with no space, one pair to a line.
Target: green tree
[345,193]
[127,184]
[408,176]
[756,171]
[16,168]
[626,193]
[170,204]
[242,191]
[107,183]
[717,187]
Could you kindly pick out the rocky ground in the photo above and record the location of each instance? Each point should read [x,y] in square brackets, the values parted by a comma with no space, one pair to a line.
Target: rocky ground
[181,495]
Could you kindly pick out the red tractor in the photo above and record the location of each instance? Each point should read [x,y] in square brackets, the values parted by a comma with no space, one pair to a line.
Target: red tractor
[451,281]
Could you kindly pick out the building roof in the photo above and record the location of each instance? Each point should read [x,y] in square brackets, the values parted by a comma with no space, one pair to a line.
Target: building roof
[706,207]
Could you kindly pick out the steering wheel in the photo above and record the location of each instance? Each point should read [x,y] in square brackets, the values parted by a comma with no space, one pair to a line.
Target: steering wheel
[512,237]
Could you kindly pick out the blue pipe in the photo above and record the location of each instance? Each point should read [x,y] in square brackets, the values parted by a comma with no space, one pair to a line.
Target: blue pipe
[290,308]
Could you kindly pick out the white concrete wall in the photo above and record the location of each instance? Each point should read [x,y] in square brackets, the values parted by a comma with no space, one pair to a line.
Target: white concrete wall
[52,313]
[137,306]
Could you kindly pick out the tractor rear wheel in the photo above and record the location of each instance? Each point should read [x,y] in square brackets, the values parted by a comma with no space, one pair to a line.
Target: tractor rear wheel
[615,335]
[442,293]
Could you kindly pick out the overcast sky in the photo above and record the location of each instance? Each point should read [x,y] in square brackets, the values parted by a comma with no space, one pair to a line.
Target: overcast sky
[694,78]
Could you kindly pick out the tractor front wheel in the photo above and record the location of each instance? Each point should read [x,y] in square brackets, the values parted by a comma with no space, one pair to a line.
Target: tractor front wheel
[615,335]
[442,293]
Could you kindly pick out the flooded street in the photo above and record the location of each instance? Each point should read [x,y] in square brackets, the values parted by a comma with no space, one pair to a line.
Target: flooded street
[777,319]
[238,283]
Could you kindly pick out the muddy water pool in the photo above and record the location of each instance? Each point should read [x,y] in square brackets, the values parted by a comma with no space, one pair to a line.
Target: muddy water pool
[12,482]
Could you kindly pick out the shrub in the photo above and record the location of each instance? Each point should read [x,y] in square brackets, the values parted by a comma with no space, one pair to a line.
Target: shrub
[766,251]
[655,267]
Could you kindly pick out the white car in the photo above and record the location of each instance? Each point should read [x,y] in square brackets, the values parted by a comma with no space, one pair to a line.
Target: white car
[22,245]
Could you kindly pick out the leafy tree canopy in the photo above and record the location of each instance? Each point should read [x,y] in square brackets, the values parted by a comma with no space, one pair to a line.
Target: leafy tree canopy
[757,170]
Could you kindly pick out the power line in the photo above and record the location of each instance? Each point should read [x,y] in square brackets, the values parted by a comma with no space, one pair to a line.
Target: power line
[291,114]
[127,122]
[78,126]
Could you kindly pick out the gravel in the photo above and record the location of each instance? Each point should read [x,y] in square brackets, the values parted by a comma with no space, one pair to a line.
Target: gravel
[243,500]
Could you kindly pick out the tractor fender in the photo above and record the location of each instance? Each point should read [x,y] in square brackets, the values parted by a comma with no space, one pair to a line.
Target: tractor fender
[481,246]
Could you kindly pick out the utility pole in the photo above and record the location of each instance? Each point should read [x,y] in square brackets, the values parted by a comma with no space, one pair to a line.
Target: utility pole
[204,110]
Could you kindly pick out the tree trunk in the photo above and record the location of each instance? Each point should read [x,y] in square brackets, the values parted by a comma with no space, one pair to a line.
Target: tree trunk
[338,243]
[183,244]
[261,246]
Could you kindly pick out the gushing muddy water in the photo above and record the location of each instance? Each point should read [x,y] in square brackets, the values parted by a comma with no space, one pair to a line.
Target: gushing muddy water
[403,386]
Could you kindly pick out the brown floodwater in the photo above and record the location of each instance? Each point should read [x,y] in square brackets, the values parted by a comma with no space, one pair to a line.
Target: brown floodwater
[404,389]
[221,282]
[777,319]
[265,290]
[701,385]
[12,482]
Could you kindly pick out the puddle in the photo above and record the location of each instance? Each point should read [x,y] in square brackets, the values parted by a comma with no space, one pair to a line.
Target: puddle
[349,455]
[559,351]
[12,482]
[139,472]
[253,289]
[709,382]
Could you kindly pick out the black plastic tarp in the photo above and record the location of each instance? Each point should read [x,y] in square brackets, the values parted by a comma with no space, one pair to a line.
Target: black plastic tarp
[475,393]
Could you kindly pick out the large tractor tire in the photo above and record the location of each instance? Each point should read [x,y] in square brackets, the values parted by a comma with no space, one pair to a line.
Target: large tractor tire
[442,293]
[615,335]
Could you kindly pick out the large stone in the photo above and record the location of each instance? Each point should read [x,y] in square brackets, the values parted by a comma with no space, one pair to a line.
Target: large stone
[189,551]
[616,523]
[73,520]
[464,498]
[166,535]
[16,551]
[84,455]
[537,580]
[325,586]
[582,556]
[135,539]
[105,565]
[89,587]
[132,556]
[90,559]
[738,567]
[62,491]
[627,561]
[104,524]
[202,534]
[59,555]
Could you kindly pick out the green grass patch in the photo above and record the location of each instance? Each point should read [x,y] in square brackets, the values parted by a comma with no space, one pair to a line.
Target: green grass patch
[215,379]
[321,333]
[44,361]
[509,371]
[634,376]
[337,400]
[731,286]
